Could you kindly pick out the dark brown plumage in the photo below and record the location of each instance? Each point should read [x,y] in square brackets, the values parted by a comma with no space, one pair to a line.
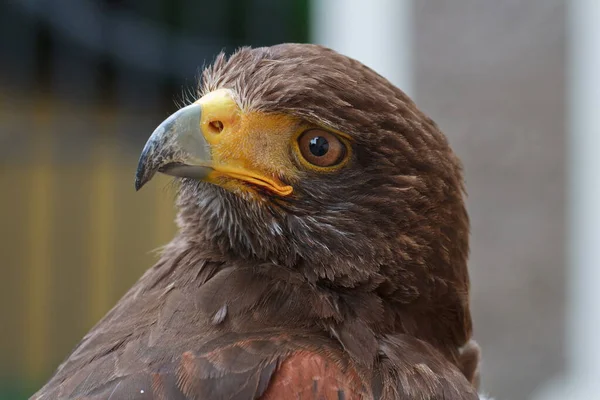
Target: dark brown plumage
[355,286]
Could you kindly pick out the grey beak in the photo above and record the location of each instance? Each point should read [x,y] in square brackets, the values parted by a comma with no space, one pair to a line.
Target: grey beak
[177,147]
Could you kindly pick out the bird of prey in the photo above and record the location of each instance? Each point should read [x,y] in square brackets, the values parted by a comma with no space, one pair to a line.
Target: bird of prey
[321,252]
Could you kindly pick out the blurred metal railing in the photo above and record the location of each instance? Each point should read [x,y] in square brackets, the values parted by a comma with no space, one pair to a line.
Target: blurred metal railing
[76,233]
[37,246]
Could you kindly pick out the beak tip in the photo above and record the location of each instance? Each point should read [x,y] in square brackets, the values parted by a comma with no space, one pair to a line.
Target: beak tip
[141,177]
[171,137]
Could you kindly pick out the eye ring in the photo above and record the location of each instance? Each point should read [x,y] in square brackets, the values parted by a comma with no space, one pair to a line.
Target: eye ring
[321,148]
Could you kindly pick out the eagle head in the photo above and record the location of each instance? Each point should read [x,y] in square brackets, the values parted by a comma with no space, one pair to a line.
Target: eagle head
[302,158]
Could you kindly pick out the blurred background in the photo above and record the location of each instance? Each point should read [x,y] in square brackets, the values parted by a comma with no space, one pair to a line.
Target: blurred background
[83,83]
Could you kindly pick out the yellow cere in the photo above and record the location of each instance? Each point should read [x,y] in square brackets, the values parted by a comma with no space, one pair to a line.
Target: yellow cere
[250,146]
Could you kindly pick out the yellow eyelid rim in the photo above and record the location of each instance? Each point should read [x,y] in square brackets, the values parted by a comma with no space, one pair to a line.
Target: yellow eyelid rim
[343,137]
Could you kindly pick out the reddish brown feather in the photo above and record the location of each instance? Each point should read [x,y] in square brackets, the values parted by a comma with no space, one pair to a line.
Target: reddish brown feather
[309,375]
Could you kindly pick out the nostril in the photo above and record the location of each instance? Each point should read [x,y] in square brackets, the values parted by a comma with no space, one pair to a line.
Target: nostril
[216,126]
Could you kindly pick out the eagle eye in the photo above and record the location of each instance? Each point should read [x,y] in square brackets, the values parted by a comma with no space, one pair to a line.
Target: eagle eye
[321,148]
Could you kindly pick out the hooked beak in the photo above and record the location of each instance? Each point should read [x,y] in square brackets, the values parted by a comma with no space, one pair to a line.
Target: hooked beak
[204,141]
[177,147]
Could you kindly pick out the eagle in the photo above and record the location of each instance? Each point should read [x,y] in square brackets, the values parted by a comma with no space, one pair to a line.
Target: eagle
[321,250]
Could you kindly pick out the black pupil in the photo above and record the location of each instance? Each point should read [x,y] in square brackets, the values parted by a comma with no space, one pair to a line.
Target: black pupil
[319,146]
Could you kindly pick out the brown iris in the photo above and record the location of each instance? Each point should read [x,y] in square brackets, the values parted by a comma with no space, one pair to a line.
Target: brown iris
[321,148]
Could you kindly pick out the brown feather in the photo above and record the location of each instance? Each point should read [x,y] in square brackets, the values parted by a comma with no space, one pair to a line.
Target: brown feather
[361,293]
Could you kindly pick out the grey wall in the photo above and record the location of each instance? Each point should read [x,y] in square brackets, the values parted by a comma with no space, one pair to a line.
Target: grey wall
[491,74]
